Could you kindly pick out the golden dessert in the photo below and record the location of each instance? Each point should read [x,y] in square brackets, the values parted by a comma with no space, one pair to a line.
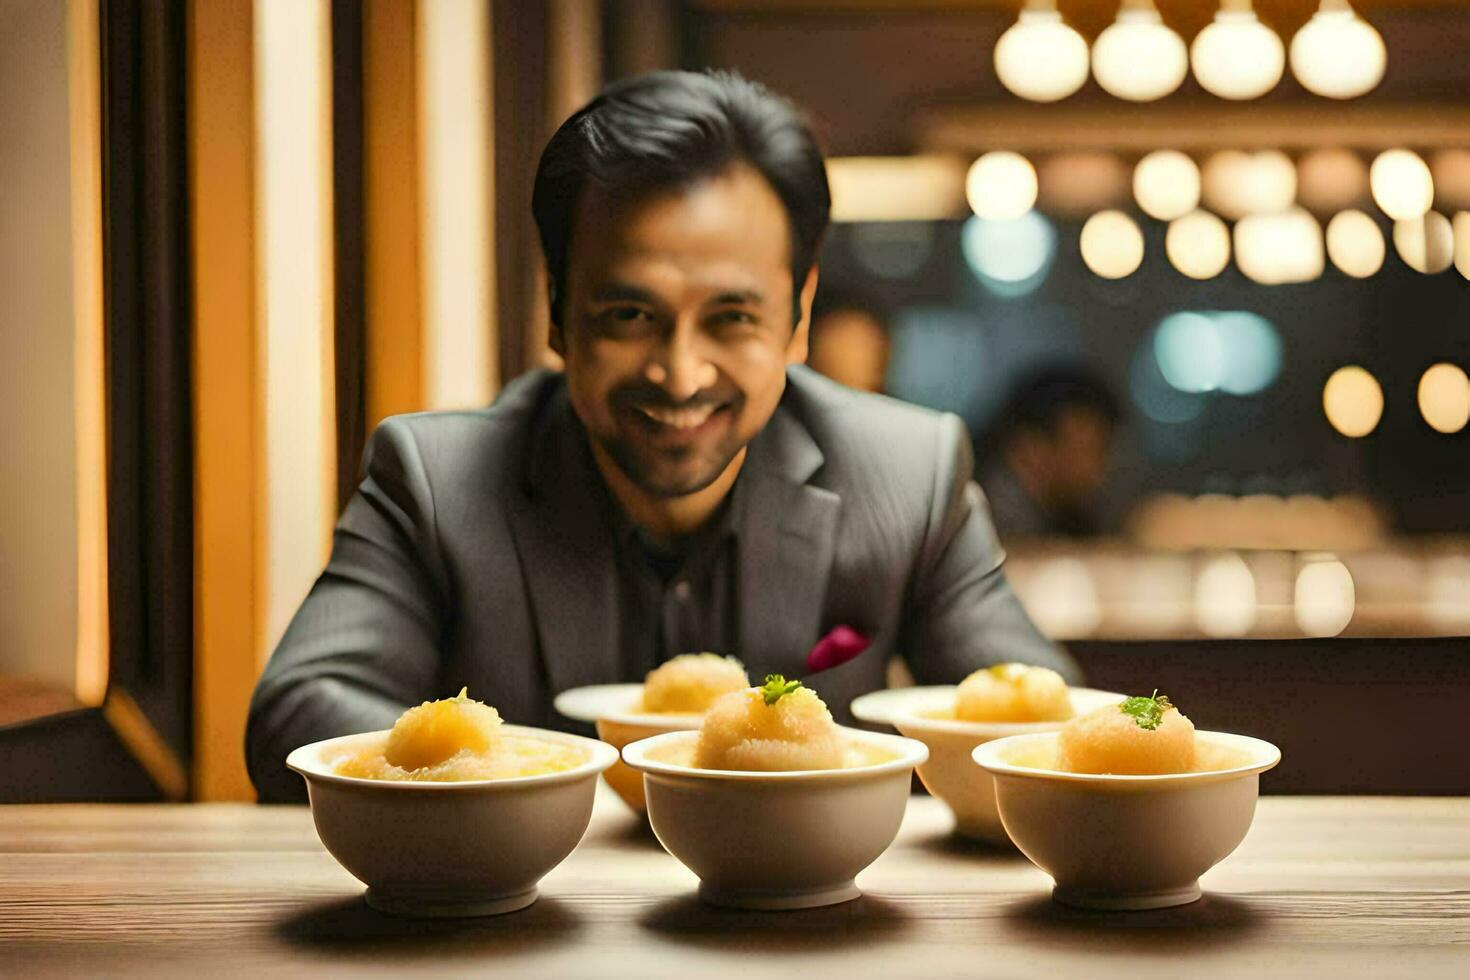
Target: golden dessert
[690,683]
[779,727]
[451,740]
[1137,737]
[1013,693]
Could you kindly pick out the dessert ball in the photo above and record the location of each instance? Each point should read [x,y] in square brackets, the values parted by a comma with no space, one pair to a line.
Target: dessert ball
[690,682]
[1013,692]
[454,739]
[779,727]
[1136,737]
[437,730]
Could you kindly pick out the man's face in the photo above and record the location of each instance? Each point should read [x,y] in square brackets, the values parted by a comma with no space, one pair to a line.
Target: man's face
[1083,443]
[677,326]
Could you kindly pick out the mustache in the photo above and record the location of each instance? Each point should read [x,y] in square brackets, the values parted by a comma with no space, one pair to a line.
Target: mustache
[652,396]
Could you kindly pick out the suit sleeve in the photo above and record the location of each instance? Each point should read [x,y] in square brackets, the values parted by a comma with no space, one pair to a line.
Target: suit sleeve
[961,613]
[365,643]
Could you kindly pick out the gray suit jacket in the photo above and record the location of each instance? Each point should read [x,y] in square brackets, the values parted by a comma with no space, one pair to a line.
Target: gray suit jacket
[463,559]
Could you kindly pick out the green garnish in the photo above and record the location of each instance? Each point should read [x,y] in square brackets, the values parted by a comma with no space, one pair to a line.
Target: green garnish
[777,687]
[1147,713]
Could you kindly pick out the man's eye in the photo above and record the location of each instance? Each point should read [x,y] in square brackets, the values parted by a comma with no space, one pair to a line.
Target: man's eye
[625,316]
[734,317]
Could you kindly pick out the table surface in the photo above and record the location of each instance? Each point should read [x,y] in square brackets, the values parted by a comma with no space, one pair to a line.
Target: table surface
[1332,886]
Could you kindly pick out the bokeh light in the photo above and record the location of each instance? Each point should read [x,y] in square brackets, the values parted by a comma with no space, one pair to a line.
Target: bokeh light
[1011,258]
[1166,184]
[1190,352]
[1355,244]
[1112,245]
[1331,179]
[1325,597]
[1078,184]
[1402,185]
[1061,596]
[1236,184]
[1236,56]
[1337,54]
[1353,401]
[1198,245]
[1425,244]
[1225,597]
[1448,596]
[1001,185]
[1040,58]
[1252,352]
[1444,398]
[1450,170]
[1231,351]
[1138,57]
[1279,248]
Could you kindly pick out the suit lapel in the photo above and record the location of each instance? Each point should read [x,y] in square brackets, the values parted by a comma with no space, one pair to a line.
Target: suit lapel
[788,533]
[566,551]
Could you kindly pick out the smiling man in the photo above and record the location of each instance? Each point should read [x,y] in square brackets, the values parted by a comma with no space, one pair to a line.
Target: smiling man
[683,485]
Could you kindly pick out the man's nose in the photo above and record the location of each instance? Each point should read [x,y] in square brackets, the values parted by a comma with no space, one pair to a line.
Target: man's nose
[680,367]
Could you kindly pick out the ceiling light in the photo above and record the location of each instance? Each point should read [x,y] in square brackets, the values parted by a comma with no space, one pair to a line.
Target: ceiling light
[1039,57]
[1236,56]
[1137,57]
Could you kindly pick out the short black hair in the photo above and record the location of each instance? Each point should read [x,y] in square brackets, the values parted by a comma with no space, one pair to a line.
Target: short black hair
[1037,402]
[669,129]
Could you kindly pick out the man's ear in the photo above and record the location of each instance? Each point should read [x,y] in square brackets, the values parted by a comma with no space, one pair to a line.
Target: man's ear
[799,345]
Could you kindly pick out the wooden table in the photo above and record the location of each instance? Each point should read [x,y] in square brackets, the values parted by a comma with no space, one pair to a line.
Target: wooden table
[1323,887]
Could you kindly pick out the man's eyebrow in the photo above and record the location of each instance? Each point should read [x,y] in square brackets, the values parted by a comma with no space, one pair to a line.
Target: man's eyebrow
[738,297]
[620,291]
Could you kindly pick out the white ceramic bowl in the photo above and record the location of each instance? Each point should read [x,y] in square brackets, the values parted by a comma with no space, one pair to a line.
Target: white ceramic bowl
[1126,842]
[920,712]
[776,840]
[440,849]
[617,711]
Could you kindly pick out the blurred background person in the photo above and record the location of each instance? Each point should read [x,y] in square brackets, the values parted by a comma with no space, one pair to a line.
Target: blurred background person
[849,338]
[1047,455]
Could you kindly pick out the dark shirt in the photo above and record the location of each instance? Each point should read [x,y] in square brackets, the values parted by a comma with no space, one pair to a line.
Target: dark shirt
[676,596]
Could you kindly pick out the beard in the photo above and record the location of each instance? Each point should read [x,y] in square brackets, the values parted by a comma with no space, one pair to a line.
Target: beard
[660,465]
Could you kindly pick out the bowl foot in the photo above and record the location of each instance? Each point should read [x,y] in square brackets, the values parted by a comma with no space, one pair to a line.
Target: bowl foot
[418,907]
[779,901]
[1090,898]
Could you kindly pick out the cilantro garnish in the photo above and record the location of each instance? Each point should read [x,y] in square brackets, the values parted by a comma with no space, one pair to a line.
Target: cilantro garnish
[777,687]
[1147,713]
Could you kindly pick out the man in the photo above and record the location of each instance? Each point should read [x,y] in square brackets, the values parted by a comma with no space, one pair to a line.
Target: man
[682,486]
[849,339]
[1049,453]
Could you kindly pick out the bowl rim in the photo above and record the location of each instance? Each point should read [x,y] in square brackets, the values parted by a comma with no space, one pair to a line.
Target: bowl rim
[1263,754]
[887,707]
[585,704]
[307,761]
[910,753]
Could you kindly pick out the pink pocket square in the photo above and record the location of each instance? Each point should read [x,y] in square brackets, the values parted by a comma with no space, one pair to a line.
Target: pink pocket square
[835,649]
